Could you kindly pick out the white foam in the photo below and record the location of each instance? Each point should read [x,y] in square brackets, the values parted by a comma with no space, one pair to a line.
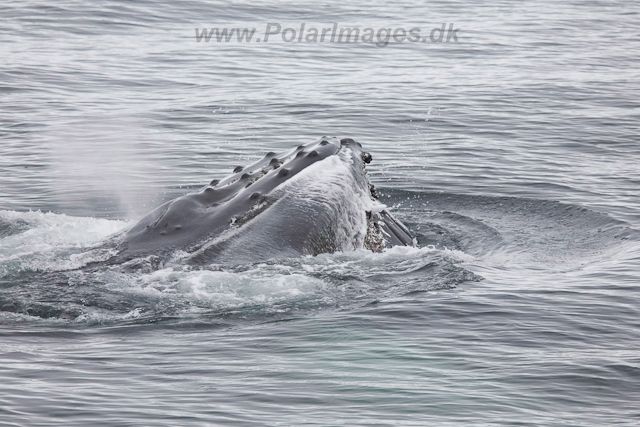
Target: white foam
[53,241]
[268,287]
[398,259]
[221,290]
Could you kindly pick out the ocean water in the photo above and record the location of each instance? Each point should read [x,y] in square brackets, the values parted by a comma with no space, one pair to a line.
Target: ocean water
[512,154]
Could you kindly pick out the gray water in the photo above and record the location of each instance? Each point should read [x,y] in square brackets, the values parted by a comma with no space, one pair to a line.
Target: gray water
[512,155]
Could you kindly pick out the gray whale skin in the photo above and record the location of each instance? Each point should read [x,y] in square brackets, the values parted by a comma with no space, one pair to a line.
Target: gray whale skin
[314,199]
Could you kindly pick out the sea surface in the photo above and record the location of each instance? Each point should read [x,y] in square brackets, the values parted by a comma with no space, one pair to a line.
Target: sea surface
[512,154]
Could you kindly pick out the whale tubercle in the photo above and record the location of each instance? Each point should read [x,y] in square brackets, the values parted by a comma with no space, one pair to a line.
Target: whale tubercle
[283,172]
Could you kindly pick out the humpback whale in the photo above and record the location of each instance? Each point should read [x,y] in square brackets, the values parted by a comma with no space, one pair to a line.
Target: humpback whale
[316,198]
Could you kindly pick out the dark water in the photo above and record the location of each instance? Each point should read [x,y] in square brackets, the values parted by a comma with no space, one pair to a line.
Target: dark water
[512,154]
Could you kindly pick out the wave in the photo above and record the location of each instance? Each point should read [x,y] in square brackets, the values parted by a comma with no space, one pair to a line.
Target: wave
[50,264]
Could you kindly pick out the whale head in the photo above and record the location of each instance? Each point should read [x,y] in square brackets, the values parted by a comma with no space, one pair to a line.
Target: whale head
[316,198]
